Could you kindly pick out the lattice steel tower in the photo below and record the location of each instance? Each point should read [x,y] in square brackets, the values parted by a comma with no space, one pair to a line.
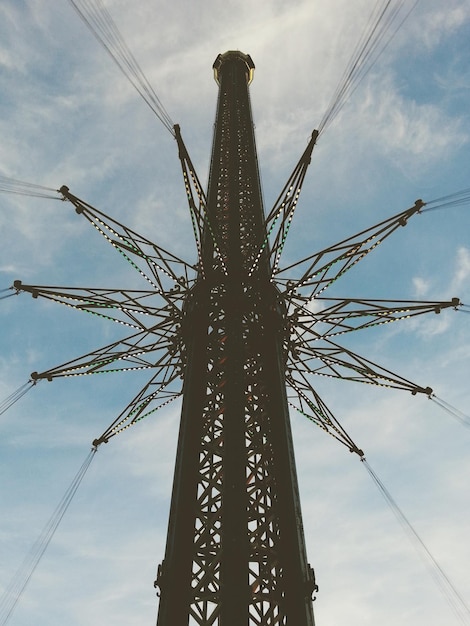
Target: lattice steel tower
[235,549]
[247,336]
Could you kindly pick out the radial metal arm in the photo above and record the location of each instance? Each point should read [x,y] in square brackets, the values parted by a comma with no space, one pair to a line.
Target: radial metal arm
[197,208]
[322,357]
[135,308]
[336,316]
[163,270]
[304,399]
[282,213]
[322,269]
[164,387]
[159,347]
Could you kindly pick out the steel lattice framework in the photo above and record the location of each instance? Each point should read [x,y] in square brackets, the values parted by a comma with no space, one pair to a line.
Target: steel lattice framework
[247,337]
[235,551]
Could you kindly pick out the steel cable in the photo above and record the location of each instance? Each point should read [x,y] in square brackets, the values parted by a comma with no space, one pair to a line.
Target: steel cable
[22,188]
[445,585]
[451,410]
[374,40]
[15,396]
[24,573]
[11,290]
[99,21]
[457,198]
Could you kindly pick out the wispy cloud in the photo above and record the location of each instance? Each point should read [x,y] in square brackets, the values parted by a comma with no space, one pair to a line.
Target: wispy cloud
[462,269]
[69,117]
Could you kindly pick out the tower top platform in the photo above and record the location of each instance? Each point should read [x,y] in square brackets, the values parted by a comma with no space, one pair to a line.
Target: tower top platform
[233,55]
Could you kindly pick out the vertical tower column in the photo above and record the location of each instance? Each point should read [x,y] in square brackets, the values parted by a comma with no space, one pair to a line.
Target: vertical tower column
[235,552]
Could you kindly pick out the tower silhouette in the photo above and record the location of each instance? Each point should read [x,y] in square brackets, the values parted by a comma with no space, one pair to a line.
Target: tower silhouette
[235,549]
[246,336]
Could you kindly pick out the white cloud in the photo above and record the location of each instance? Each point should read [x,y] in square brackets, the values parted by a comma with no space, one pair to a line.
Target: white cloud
[462,271]
[420,286]
[432,28]
[412,134]
[68,117]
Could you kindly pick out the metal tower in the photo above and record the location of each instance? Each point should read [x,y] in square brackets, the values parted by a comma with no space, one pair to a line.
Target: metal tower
[235,549]
[247,336]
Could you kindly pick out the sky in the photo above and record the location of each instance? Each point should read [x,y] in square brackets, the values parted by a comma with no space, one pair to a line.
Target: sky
[69,117]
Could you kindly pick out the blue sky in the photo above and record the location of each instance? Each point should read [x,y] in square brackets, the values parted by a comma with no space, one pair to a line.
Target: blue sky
[67,116]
